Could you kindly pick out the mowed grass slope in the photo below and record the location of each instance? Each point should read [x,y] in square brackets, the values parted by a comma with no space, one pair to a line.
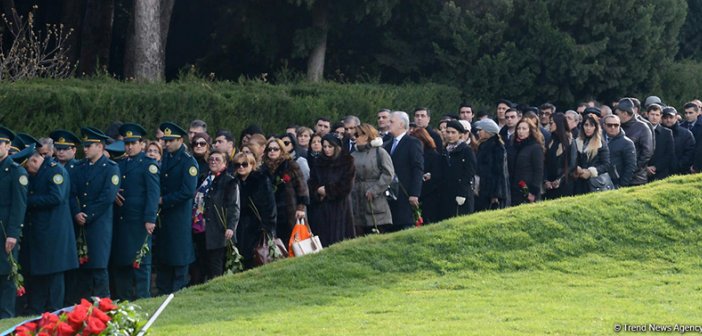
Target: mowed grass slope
[573,266]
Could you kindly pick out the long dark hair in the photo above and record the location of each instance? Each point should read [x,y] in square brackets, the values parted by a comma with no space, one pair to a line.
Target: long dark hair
[562,133]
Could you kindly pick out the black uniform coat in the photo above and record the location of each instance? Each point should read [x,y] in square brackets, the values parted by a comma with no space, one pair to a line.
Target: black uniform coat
[141,191]
[93,191]
[174,230]
[13,204]
[51,239]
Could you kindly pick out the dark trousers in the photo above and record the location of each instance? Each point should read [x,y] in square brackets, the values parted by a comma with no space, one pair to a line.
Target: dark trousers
[131,283]
[48,292]
[209,264]
[8,293]
[84,283]
[171,279]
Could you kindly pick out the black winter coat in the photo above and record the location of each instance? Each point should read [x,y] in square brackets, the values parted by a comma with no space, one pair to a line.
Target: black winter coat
[331,217]
[526,163]
[221,210]
[642,137]
[559,167]
[459,179]
[492,170]
[664,155]
[431,197]
[684,149]
[257,213]
[600,163]
[622,158]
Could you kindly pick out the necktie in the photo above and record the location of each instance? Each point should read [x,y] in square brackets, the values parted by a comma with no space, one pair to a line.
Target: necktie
[394,145]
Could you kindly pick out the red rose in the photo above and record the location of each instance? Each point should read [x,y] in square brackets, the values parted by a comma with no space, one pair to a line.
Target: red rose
[19,331]
[43,333]
[65,329]
[100,315]
[286,178]
[136,265]
[29,326]
[83,260]
[78,315]
[106,305]
[21,291]
[522,184]
[47,318]
[95,326]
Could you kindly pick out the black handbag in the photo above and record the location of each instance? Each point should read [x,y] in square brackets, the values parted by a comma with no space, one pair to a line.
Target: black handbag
[601,183]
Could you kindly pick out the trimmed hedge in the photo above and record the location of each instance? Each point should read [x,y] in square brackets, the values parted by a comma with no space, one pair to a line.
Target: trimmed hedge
[38,107]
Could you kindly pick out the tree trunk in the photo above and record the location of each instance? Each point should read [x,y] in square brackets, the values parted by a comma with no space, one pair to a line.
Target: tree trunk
[165,23]
[96,35]
[148,64]
[315,64]
[72,18]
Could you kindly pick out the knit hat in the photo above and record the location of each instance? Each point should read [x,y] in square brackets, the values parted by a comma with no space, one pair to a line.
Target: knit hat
[487,125]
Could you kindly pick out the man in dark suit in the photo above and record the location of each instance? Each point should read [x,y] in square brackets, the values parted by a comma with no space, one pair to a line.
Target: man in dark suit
[350,124]
[94,185]
[663,161]
[384,124]
[408,159]
[174,249]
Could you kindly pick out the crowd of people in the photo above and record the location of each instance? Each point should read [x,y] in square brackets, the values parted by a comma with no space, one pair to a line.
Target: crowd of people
[81,228]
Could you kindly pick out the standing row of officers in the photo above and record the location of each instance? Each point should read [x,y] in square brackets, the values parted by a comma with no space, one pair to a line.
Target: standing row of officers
[66,221]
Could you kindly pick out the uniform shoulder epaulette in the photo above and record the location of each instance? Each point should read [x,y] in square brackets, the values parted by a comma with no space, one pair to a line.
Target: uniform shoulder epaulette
[53,164]
[111,162]
[14,164]
[187,154]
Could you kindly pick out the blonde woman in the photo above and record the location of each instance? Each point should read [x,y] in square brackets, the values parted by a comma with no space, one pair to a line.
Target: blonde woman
[593,154]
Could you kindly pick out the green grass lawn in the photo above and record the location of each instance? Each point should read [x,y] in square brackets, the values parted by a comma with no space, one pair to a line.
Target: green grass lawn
[575,266]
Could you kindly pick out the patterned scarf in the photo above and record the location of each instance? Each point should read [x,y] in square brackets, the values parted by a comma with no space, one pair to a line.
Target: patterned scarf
[199,203]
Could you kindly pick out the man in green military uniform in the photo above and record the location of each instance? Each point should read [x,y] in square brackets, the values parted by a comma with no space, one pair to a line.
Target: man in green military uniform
[94,186]
[13,204]
[48,232]
[135,217]
[174,248]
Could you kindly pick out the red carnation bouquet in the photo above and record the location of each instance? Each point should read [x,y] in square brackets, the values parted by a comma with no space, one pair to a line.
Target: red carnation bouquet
[100,317]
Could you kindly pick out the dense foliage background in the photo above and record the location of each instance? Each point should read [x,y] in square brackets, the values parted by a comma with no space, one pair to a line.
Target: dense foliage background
[531,51]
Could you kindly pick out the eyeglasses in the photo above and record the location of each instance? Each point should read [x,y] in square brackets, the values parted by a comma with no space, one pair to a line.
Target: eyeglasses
[612,125]
[200,144]
[215,159]
[272,149]
[238,165]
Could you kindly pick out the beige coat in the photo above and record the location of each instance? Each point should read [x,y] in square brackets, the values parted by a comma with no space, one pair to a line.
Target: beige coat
[369,177]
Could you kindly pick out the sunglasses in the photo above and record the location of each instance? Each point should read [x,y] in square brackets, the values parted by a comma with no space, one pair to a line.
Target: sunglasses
[238,165]
[216,159]
[200,144]
[272,149]
[612,125]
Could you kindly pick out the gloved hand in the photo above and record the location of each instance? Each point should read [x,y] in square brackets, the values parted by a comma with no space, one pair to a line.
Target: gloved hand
[460,200]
